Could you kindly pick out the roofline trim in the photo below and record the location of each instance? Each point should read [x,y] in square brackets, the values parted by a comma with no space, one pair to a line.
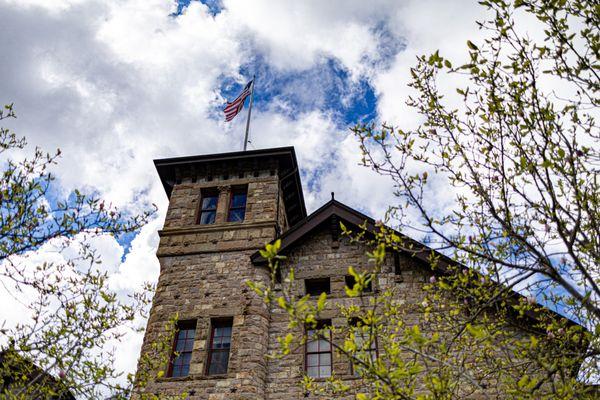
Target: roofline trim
[163,162]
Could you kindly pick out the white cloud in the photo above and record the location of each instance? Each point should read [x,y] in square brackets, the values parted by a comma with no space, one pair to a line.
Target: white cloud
[294,35]
[427,26]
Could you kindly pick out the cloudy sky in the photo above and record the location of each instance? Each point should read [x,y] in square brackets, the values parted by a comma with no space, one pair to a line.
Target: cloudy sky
[116,84]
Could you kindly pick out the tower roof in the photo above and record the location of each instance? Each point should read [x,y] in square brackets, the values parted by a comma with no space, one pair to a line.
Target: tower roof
[170,171]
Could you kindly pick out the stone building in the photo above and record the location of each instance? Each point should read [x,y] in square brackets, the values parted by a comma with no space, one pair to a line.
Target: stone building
[223,208]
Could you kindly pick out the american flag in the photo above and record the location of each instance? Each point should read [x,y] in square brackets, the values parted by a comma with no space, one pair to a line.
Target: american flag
[233,108]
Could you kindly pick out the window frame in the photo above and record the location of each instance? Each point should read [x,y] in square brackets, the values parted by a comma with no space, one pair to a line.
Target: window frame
[214,324]
[205,193]
[231,208]
[187,325]
[397,267]
[322,324]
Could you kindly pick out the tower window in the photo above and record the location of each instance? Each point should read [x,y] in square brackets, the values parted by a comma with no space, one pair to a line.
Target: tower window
[182,349]
[237,205]
[315,287]
[208,207]
[318,351]
[220,344]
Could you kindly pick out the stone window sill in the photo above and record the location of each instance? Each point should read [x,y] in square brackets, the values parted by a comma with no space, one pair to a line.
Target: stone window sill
[195,378]
[340,377]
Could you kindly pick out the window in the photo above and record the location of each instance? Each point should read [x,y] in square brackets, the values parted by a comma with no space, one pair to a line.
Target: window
[237,205]
[366,344]
[208,207]
[318,351]
[350,282]
[315,287]
[220,344]
[182,349]
[397,269]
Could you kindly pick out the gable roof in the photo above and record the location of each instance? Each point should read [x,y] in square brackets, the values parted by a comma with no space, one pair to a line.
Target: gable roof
[334,208]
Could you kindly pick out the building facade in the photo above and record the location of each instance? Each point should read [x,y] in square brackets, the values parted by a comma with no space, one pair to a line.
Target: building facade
[223,208]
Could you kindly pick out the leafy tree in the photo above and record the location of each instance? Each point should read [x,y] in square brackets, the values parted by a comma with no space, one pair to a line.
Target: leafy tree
[60,347]
[518,151]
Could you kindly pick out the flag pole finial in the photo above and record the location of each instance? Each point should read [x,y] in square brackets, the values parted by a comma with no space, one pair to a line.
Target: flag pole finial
[249,112]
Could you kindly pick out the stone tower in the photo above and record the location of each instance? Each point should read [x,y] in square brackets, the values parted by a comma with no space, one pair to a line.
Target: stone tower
[222,209]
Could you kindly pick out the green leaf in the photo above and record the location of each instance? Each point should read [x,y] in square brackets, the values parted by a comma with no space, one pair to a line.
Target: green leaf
[472,45]
[321,301]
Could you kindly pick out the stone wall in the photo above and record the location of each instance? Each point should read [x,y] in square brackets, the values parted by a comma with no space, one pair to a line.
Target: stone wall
[206,286]
[317,257]
[204,269]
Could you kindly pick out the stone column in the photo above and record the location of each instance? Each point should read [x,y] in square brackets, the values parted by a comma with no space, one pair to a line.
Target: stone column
[223,205]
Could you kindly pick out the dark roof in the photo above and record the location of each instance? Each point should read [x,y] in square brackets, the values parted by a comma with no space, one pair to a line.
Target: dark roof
[285,157]
[350,216]
[358,219]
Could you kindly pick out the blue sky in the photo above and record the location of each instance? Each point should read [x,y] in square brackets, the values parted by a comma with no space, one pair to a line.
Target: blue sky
[327,87]
[330,86]
[215,6]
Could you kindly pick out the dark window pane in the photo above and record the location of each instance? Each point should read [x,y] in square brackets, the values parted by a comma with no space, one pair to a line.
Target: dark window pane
[185,369]
[218,356]
[207,217]
[182,350]
[210,202]
[208,208]
[236,215]
[312,360]
[222,331]
[218,362]
[226,331]
[238,200]
[237,206]
[189,345]
[318,351]
[323,345]
[186,358]
[325,371]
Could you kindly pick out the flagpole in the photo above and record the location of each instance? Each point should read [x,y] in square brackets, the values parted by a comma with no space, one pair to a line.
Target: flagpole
[249,112]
